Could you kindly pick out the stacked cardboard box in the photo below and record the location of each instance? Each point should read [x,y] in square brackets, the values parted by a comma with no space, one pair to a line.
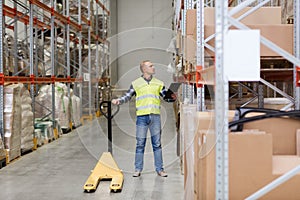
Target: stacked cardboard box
[264,151]
[265,19]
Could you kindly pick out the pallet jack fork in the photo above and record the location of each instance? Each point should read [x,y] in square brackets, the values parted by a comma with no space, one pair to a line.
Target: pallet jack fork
[106,168]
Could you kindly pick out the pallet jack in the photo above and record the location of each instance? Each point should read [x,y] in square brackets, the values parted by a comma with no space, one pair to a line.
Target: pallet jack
[106,168]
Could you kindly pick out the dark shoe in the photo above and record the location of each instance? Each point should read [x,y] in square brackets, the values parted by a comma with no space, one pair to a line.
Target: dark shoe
[136,174]
[162,174]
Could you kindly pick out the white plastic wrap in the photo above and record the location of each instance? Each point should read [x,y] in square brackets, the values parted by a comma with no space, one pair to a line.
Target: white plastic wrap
[2,152]
[75,110]
[12,120]
[62,104]
[27,138]
[188,126]
[27,120]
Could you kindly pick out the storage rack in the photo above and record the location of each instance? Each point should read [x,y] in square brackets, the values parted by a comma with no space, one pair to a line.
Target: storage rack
[257,89]
[50,23]
[222,18]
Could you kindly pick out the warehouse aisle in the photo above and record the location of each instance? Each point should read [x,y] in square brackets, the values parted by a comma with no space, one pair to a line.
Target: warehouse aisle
[59,170]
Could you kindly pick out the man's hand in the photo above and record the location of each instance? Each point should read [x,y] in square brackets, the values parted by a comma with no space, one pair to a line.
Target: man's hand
[115,101]
[174,97]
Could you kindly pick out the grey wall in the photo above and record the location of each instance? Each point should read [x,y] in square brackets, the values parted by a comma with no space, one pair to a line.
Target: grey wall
[144,33]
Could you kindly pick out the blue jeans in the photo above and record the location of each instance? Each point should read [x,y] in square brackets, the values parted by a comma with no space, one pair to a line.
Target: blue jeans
[153,123]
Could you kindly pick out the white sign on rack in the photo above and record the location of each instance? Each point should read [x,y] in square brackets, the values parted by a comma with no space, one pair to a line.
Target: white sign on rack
[86,77]
[242,55]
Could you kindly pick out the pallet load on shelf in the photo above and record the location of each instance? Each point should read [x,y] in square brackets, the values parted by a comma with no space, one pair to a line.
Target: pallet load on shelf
[12,121]
[45,128]
[84,11]
[8,55]
[44,105]
[59,65]
[27,121]
[265,19]
[62,105]
[75,109]
[2,152]
[92,77]
[102,25]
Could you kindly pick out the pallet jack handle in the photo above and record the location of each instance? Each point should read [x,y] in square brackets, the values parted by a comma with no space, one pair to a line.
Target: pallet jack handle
[109,116]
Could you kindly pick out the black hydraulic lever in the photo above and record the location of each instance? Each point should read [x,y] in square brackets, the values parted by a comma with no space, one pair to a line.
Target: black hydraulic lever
[109,116]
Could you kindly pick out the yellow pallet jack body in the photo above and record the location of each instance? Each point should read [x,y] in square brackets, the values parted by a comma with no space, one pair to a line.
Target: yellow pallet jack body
[106,168]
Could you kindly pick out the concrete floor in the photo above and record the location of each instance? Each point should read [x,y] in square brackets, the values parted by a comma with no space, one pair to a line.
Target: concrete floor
[59,170]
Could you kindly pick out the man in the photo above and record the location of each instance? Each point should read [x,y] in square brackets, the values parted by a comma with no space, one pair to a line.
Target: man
[147,90]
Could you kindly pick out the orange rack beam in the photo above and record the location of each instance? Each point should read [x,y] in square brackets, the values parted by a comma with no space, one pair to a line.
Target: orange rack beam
[97,38]
[59,16]
[10,12]
[103,7]
[84,19]
[298,77]
[36,80]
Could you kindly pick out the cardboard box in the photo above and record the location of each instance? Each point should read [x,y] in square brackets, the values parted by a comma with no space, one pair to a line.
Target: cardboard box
[298,142]
[178,40]
[283,131]
[190,49]
[280,34]
[243,162]
[252,163]
[191,22]
[262,16]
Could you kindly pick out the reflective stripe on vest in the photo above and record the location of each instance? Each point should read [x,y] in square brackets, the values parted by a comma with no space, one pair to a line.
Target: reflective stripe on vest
[147,96]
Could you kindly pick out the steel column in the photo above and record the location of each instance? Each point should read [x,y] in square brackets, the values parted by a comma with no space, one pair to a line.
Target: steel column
[97,58]
[200,53]
[80,57]
[1,71]
[89,59]
[296,51]
[31,63]
[52,44]
[221,103]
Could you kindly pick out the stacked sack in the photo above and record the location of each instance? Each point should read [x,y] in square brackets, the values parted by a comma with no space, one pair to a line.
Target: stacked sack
[27,121]
[12,120]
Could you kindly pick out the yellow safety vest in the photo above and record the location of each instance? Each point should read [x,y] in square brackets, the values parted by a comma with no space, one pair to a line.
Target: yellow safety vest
[147,96]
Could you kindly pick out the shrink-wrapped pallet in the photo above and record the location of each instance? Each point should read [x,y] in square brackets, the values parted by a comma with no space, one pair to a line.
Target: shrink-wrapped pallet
[84,11]
[62,104]
[2,152]
[27,121]
[75,110]
[12,120]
